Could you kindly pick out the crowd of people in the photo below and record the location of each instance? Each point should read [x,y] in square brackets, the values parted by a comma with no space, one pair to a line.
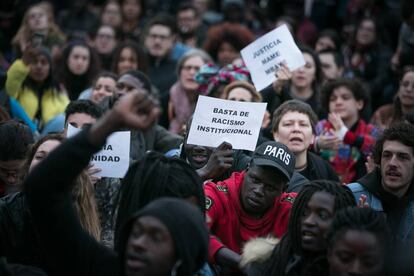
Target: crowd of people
[329,189]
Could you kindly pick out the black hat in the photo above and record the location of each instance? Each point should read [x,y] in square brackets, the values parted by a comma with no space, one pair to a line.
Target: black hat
[274,154]
[188,229]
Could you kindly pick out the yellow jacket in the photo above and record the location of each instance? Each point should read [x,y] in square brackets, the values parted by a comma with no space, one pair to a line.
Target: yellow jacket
[52,102]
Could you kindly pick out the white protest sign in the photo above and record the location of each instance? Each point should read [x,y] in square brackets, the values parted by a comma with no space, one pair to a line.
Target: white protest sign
[265,55]
[216,121]
[113,159]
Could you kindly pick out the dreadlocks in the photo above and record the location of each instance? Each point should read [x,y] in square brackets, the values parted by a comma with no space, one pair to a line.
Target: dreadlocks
[153,177]
[290,244]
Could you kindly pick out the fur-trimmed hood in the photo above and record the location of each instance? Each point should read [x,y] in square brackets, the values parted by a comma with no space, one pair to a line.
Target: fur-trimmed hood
[258,250]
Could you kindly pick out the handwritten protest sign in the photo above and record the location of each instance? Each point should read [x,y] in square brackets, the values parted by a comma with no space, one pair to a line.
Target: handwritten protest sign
[113,159]
[265,55]
[216,121]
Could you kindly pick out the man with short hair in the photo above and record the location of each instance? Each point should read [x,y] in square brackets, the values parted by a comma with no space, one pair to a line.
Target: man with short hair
[81,112]
[250,204]
[332,64]
[159,43]
[389,187]
[191,31]
[15,140]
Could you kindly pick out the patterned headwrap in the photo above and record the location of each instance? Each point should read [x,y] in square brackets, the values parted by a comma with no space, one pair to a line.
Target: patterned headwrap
[211,76]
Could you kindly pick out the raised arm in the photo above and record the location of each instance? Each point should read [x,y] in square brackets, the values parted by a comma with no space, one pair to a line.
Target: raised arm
[48,191]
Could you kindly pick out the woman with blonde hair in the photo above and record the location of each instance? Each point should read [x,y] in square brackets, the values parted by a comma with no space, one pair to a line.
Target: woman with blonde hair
[39,27]
[18,240]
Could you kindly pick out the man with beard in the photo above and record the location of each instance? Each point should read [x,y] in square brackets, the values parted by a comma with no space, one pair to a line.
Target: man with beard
[249,204]
[191,31]
[389,189]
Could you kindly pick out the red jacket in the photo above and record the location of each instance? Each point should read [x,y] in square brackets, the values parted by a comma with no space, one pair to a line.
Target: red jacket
[230,226]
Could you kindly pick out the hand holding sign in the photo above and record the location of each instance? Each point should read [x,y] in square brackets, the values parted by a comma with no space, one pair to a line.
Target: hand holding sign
[283,75]
[219,162]
[266,55]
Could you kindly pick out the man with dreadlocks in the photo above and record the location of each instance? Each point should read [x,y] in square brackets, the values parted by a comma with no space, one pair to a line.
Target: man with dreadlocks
[249,204]
[302,249]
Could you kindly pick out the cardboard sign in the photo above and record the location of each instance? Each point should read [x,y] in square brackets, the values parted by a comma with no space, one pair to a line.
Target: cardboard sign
[216,121]
[113,159]
[265,55]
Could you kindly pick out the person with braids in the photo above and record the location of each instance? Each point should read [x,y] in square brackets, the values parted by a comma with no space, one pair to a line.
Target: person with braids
[302,250]
[389,187]
[166,237]
[358,243]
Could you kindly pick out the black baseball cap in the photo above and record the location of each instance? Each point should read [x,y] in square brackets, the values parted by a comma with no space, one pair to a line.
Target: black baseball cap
[277,155]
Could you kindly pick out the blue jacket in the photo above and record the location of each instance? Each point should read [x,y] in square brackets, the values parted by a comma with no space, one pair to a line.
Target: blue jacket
[405,230]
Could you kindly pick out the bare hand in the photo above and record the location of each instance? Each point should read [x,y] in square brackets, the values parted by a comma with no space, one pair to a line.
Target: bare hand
[283,75]
[328,141]
[219,162]
[336,121]
[136,110]
[30,54]
[370,164]
[395,62]
[92,170]
[266,119]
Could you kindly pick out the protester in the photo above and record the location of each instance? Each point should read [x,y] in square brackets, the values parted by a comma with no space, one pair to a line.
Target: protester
[111,14]
[133,18]
[154,138]
[358,242]
[184,93]
[302,250]
[328,39]
[76,68]
[103,86]
[18,240]
[225,41]
[294,125]
[332,64]
[79,114]
[390,114]
[67,244]
[104,42]
[15,140]
[191,31]
[39,29]
[367,58]
[302,84]
[30,80]
[129,56]
[345,139]
[388,188]
[249,204]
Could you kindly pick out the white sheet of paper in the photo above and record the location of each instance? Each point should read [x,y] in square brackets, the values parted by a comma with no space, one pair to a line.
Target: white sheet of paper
[113,159]
[216,121]
[264,55]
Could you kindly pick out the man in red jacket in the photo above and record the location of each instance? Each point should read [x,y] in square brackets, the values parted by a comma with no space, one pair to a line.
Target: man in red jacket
[250,203]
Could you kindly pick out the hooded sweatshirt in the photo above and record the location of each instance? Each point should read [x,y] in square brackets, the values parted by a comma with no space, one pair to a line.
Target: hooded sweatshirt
[230,226]
[187,227]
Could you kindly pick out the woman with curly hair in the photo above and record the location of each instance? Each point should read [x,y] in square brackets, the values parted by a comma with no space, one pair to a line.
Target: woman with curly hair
[225,41]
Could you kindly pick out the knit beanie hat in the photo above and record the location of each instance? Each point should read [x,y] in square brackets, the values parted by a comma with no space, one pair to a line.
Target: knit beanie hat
[187,227]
